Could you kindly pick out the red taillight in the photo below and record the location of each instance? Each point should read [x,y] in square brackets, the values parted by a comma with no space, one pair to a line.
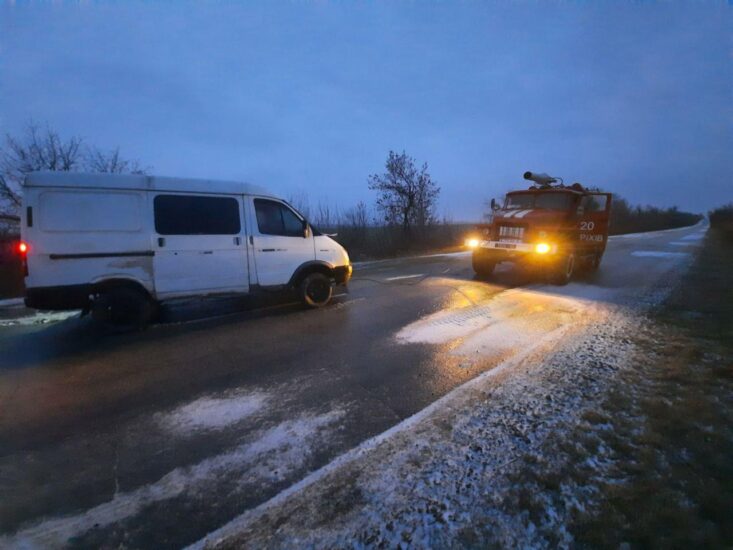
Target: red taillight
[23,249]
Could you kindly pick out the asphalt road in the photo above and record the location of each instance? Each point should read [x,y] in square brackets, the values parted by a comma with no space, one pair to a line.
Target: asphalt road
[155,439]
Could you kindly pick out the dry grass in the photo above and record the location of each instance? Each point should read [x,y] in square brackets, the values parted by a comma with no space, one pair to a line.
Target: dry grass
[651,467]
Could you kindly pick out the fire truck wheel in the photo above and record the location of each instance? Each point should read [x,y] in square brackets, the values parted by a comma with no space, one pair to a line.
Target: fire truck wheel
[483,267]
[595,262]
[565,269]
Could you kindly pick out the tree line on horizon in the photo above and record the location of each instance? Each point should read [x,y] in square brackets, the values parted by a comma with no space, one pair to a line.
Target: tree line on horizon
[402,219]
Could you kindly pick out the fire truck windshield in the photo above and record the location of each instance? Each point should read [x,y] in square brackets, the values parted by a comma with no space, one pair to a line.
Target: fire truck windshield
[553,201]
[521,201]
[544,201]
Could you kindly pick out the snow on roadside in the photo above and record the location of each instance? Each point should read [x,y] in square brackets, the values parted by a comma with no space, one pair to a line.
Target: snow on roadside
[39,318]
[271,457]
[212,413]
[658,254]
[432,484]
[439,478]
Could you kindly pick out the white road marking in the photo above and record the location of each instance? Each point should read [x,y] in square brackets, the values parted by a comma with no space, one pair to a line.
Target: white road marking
[658,254]
[404,277]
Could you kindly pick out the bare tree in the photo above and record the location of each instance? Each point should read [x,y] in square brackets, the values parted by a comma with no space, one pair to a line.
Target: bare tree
[111,162]
[357,217]
[326,217]
[407,195]
[300,202]
[37,150]
[42,148]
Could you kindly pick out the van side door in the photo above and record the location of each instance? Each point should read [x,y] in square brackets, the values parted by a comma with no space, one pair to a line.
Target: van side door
[199,244]
[593,214]
[281,239]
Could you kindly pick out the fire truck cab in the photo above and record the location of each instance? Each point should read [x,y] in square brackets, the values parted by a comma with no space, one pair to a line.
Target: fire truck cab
[551,228]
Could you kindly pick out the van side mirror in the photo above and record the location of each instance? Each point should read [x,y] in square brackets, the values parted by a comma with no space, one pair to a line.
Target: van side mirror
[306,230]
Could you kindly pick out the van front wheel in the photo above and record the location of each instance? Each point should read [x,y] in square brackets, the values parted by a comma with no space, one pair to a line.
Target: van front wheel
[316,290]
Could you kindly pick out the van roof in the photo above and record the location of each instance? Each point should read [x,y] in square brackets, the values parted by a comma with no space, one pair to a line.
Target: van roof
[141,182]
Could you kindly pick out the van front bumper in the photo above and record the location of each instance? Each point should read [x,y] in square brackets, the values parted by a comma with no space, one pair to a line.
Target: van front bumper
[342,274]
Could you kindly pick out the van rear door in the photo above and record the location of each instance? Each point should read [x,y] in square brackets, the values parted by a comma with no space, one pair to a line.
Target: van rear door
[199,246]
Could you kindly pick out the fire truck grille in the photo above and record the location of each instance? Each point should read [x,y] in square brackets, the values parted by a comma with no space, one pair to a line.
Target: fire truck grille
[507,232]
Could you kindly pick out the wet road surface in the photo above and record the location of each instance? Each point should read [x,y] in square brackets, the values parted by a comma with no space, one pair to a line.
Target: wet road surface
[157,438]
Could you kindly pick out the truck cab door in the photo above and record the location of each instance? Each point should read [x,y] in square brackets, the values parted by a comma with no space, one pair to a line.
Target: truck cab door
[281,239]
[593,214]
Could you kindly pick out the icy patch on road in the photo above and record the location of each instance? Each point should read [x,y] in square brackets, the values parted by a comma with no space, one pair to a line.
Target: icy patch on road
[682,243]
[272,457]
[658,254]
[508,322]
[212,413]
[39,318]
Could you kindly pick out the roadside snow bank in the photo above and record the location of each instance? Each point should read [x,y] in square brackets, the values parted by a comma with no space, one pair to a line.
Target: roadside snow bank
[39,318]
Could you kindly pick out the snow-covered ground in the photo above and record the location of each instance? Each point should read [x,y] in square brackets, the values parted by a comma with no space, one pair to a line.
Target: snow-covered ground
[428,482]
[439,478]
[545,354]
[38,318]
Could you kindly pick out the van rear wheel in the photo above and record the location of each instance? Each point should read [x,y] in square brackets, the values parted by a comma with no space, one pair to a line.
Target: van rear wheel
[316,290]
[122,307]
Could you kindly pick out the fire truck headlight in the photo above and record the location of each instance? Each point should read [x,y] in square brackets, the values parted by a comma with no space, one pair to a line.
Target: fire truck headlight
[472,243]
[542,248]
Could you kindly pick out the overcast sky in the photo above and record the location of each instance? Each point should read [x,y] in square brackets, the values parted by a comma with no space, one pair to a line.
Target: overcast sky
[310,97]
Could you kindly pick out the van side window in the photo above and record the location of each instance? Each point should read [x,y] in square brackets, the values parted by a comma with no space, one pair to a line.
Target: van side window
[594,203]
[274,218]
[196,215]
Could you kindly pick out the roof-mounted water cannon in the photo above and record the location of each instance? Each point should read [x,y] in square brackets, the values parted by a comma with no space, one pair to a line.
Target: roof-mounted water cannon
[541,179]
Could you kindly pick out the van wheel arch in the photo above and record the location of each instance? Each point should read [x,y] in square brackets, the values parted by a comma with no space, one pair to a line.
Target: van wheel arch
[135,300]
[308,268]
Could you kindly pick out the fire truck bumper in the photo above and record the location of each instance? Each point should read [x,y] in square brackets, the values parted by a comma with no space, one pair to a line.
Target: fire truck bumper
[501,251]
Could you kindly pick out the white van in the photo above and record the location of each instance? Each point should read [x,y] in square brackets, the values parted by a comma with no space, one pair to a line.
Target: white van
[117,245]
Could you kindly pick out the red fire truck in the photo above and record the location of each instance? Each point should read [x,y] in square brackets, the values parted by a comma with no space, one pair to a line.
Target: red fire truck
[553,228]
